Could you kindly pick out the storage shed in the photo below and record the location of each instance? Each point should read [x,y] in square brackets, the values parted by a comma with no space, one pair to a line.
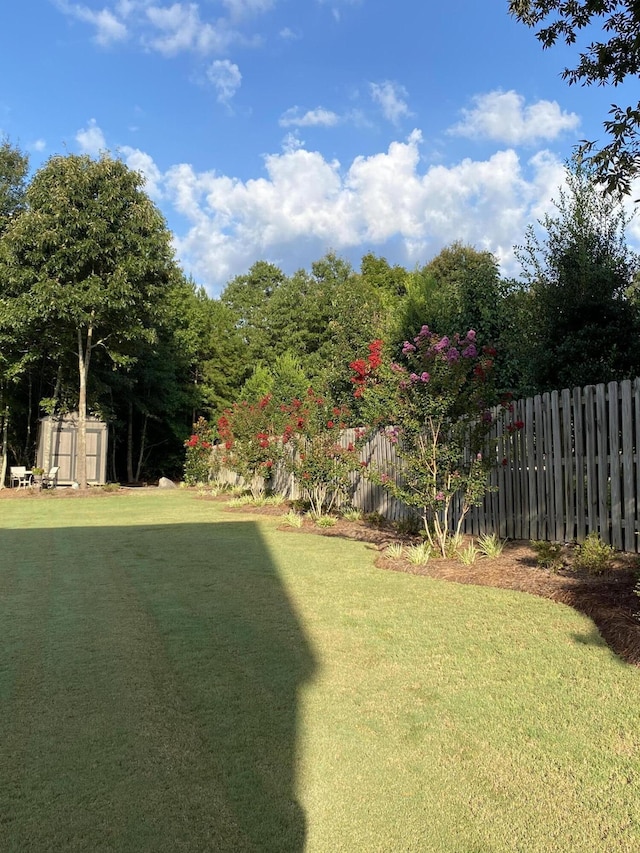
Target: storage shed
[57,446]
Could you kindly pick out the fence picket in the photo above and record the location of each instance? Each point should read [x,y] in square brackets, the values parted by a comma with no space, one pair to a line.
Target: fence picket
[568,462]
[530,461]
[591,456]
[614,466]
[627,466]
[579,450]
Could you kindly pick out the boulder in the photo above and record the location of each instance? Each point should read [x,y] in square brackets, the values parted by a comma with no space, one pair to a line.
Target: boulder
[166,483]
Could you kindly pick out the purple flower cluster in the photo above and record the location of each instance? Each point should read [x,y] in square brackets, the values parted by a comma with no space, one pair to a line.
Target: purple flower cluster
[392,434]
[442,344]
[423,335]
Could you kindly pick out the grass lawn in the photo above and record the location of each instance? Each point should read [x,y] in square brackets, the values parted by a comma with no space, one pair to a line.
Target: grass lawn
[174,677]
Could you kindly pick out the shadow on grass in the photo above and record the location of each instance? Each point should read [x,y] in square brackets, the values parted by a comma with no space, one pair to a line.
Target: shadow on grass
[149,683]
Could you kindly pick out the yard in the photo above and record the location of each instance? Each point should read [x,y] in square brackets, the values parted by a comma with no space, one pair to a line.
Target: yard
[177,677]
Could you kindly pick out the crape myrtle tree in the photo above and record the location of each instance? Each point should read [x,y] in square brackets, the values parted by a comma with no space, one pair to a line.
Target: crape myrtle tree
[84,267]
[580,270]
[433,407]
[612,57]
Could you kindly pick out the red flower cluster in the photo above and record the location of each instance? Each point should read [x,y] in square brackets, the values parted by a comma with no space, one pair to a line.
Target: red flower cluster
[263,439]
[363,368]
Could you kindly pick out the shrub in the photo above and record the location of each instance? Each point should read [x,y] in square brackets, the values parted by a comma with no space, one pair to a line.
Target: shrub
[251,437]
[197,462]
[548,554]
[321,463]
[593,556]
[292,519]
[409,526]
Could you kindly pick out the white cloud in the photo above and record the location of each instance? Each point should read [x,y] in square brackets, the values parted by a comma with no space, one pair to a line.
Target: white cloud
[170,28]
[39,145]
[312,118]
[182,29]
[288,34]
[109,28]
[226,78]
[305,204]
[388,202]
[91,139]
[245,8]
[292,142]
[390,97]
[141,162]
[503,117]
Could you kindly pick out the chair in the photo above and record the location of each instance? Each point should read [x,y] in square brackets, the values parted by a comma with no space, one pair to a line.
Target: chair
[50,480]
[19,476]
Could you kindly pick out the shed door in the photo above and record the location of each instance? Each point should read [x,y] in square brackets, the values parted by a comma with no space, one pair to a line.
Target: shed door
[64,454]
[94,447]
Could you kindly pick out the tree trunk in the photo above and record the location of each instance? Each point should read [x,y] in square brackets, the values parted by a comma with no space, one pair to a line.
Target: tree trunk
[84,357]
[130,444]
[27,441]
[114,471]
[143,442]
[3,458]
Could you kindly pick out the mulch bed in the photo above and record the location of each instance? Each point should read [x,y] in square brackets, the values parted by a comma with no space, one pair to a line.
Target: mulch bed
[608,599]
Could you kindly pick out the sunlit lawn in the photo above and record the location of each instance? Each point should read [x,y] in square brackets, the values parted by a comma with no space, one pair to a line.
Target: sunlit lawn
[177,677]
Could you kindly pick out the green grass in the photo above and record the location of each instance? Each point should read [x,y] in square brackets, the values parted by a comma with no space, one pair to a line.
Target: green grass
[174,677]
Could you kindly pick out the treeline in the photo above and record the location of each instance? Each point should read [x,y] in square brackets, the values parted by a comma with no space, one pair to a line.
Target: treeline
[88,281]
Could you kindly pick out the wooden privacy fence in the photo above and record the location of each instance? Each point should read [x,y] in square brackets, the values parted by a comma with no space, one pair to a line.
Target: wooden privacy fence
[571,470]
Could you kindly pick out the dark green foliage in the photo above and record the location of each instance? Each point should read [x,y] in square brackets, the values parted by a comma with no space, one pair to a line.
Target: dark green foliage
[548,554]
[86,268]
[13,176]
[458,289]
[580,272]
[604,61]
[593,556]
[248,297]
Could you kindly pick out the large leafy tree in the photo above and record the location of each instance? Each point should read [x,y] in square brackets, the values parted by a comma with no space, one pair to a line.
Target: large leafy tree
[14,165]
[612,57]
[248,297]
[459,288]
[85,267]
[209,339]
[580,271]
[325,317]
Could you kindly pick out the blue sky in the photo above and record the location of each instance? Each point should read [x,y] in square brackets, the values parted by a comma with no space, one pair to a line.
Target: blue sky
[280,129]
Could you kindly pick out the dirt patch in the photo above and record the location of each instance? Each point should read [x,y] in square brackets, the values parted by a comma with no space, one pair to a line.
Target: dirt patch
[608,599]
